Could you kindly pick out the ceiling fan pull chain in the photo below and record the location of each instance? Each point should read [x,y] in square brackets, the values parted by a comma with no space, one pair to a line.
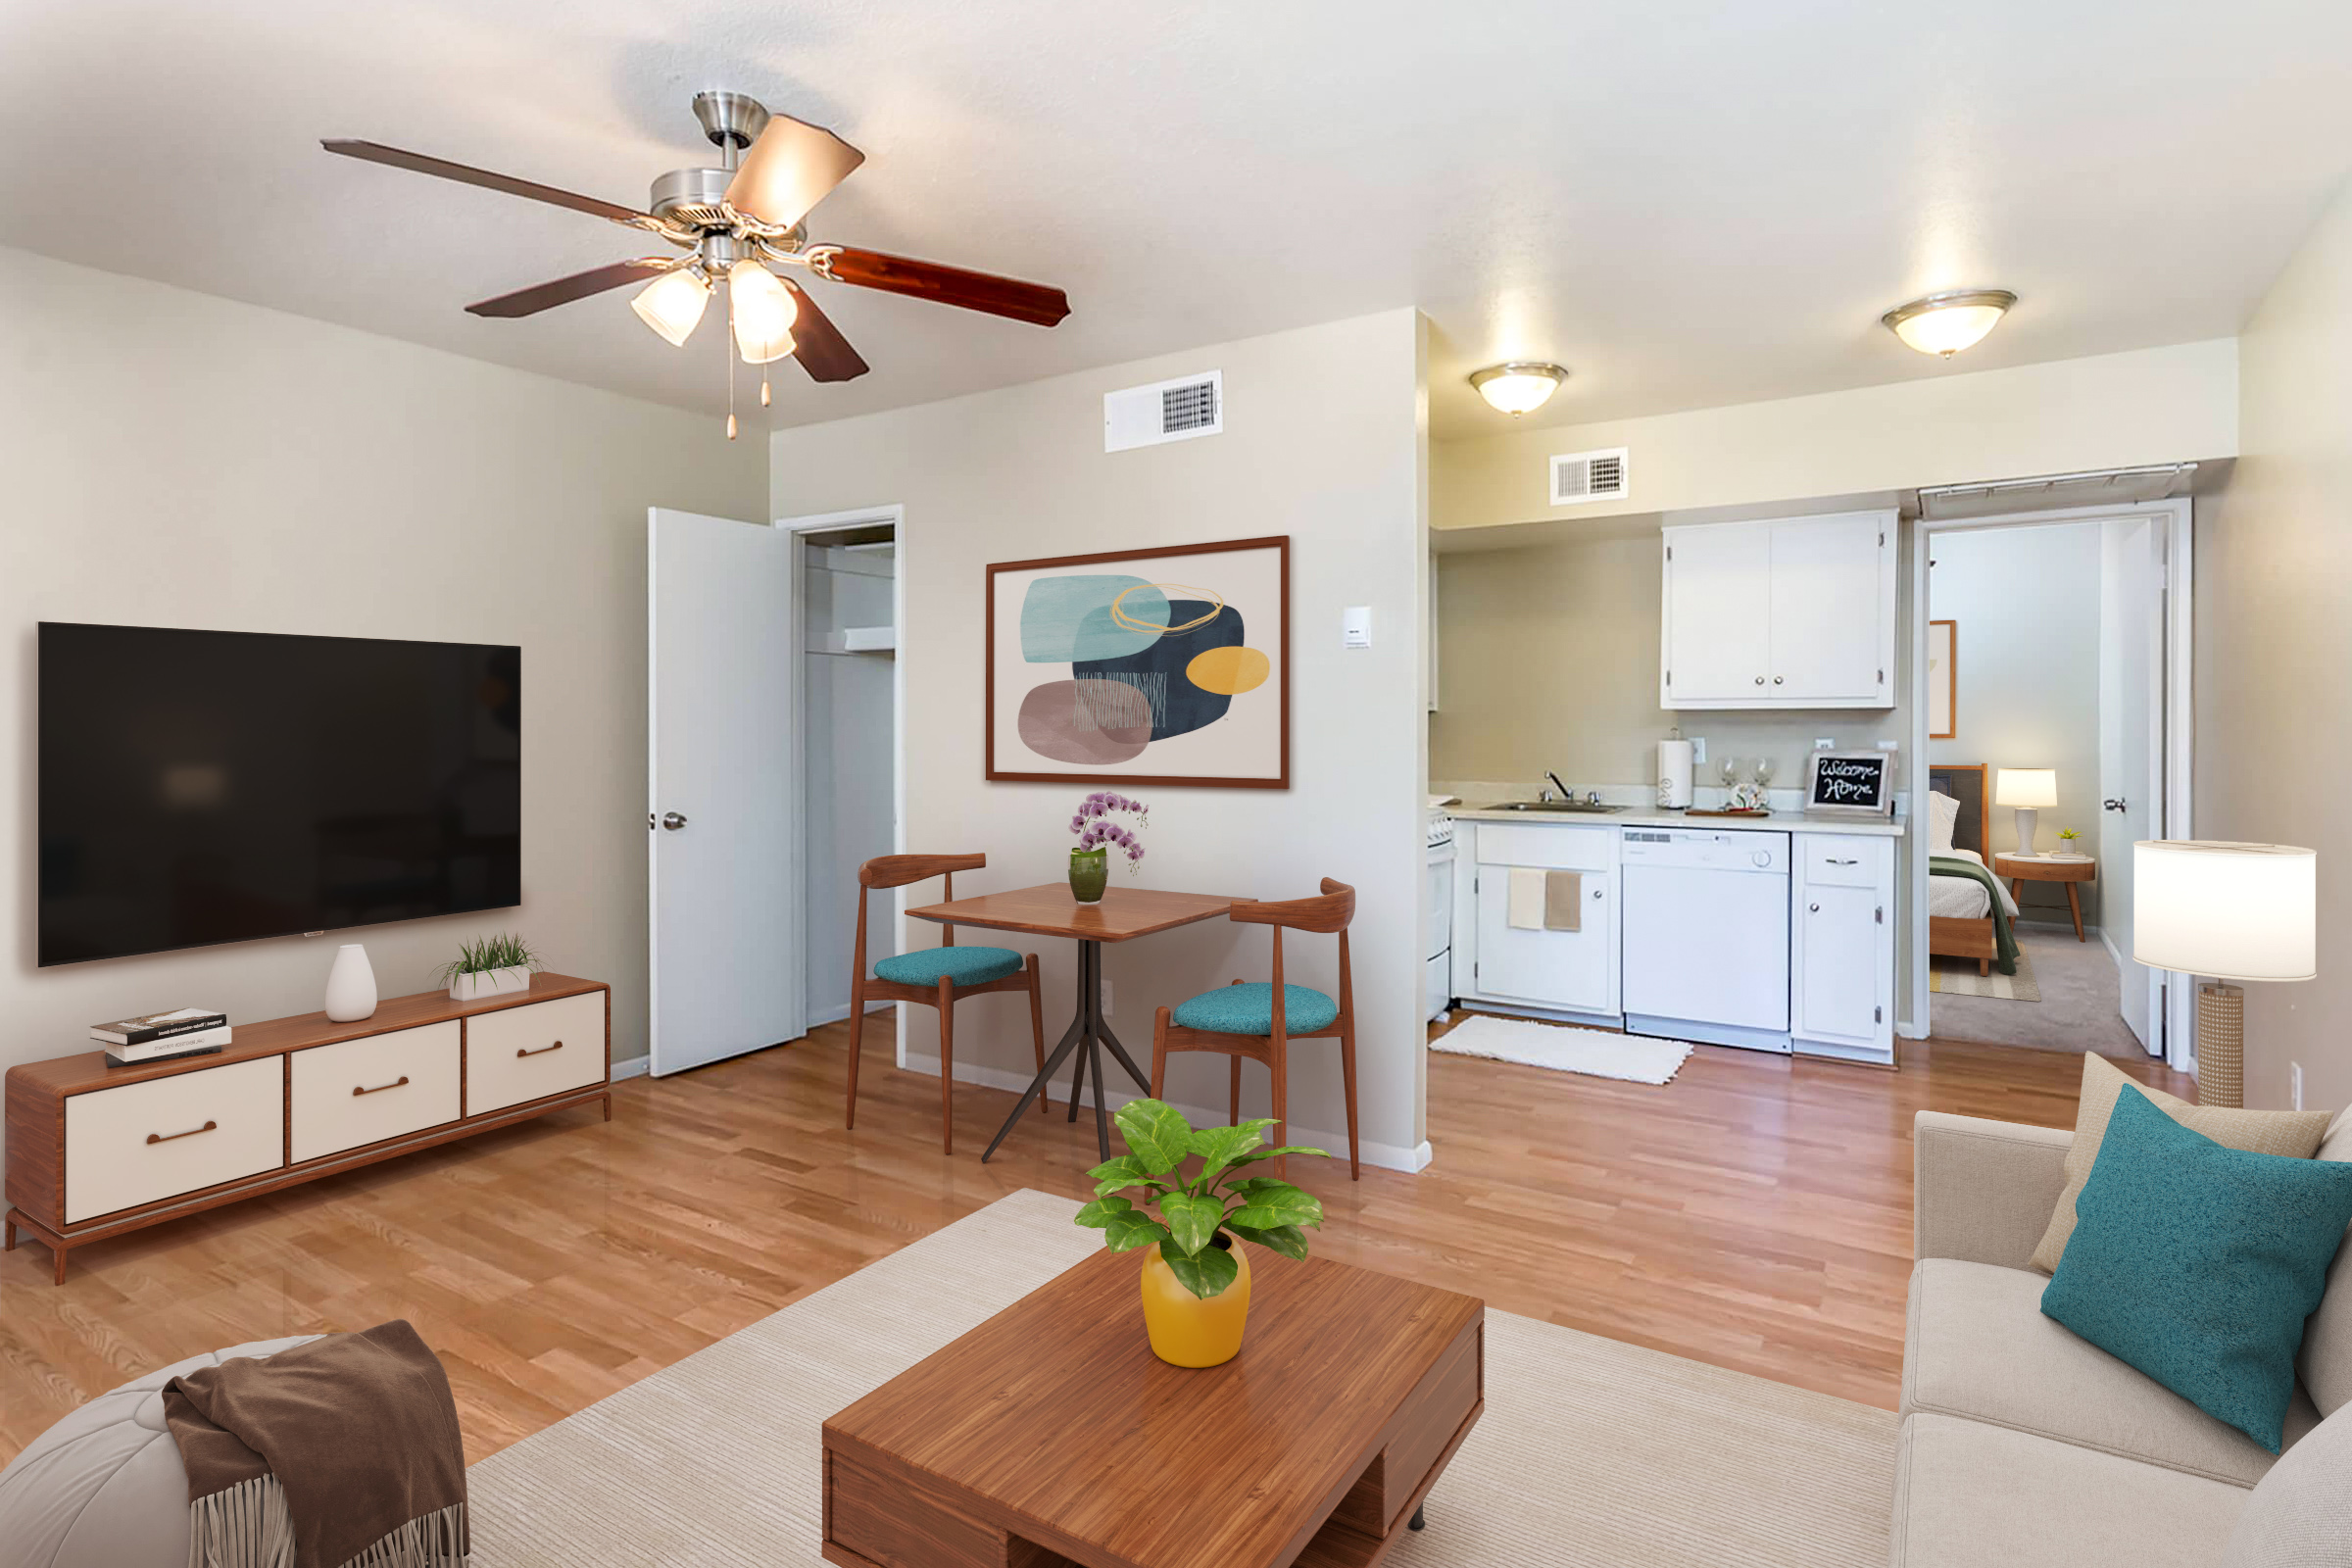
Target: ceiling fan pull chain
[726,346]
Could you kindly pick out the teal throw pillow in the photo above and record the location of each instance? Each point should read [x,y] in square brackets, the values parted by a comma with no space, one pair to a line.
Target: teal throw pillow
[2197,1264]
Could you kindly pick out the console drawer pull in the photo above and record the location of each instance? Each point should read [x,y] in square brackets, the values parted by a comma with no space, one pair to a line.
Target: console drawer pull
[356,1091]
[164,1138]
[1834,860]
[541,1052]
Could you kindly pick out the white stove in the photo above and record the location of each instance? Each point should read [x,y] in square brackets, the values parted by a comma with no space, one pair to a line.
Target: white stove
[1438,891]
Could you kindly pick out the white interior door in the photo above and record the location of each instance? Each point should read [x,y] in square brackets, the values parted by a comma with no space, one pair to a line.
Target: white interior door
[721,716]
[2131,747]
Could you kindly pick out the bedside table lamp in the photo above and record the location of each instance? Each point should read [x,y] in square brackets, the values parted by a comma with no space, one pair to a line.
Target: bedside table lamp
[2234,911]
[2028,789]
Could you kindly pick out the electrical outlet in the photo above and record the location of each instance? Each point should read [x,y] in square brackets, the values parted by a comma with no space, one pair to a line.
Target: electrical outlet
[2294,1084]
[1698,748]
[1106,1009]
[1825,744]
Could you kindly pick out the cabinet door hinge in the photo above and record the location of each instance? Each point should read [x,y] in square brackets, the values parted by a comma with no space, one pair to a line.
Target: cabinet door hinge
[1880,914]
[1877,1015]
[1882,677]
[1670,552]
[1882,536]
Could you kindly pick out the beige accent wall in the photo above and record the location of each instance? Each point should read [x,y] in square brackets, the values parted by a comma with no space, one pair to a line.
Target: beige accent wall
[2025,602]
[2274,578]
[2112,410]
[1323,442]
[174,459]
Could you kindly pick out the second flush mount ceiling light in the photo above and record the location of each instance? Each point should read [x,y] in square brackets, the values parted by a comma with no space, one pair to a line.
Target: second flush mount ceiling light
[1942,325]
[1521,386]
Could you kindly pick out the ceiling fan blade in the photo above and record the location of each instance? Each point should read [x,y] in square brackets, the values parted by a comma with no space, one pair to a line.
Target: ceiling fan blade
[378,152]
[789,169]
[819,346]
[1034,303]
[578,286]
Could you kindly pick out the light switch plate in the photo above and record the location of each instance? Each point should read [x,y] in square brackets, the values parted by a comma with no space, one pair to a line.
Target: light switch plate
[1698,748]
[1355,626]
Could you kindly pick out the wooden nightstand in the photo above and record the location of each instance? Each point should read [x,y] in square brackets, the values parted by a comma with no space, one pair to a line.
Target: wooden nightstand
[2020,869]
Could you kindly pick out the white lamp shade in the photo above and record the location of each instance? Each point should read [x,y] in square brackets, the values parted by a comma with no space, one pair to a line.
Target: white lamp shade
[2024,786]
[2234,911]
[765,310]
[672,304]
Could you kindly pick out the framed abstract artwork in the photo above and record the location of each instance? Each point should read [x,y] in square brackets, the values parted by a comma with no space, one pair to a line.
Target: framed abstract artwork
[1944,679]
[1147,666]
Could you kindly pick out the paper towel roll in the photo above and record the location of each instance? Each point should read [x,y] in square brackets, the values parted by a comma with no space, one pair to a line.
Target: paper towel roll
[1674,773]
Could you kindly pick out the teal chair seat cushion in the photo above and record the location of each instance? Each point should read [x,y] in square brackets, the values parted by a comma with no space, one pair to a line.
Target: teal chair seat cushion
[962,966]
[1249,1010]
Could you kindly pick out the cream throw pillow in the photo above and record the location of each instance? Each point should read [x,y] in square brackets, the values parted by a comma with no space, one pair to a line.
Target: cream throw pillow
[2295,1134]
[1943,821]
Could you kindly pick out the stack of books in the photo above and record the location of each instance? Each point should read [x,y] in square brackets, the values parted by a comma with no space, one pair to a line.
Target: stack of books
[162,1036]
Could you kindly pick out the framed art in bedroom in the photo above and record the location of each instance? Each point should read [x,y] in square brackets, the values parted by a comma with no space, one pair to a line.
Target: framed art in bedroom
[1166,666]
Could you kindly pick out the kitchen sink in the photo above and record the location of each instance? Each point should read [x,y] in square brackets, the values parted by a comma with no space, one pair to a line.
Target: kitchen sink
[1581,807]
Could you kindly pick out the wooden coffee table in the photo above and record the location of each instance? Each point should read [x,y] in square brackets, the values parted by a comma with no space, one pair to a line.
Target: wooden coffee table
[1050,1435]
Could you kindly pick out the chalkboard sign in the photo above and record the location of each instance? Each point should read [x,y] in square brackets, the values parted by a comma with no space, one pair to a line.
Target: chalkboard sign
[1851,783]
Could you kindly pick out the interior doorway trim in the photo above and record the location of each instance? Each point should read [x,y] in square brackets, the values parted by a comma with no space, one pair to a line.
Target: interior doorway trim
[2174,518]
[892,514]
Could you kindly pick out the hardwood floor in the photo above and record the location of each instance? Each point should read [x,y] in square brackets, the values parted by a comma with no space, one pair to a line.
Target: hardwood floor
[1755,1213]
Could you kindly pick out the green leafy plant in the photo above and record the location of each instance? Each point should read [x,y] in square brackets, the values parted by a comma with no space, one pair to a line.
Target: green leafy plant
[2069,833]
[507,951]
[1218,1199]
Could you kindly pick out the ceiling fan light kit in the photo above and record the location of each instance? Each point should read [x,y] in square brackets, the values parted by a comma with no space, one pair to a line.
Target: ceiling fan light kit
[1944,323]
[1520,386]
[734,224]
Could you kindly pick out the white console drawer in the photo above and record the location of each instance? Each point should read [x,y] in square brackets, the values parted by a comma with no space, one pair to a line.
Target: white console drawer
[364,1091]
[1840,861]
[528,1052]
[155,1140]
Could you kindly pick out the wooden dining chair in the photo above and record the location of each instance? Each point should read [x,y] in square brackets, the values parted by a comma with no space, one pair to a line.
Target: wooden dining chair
[1258,1021]
[936,977]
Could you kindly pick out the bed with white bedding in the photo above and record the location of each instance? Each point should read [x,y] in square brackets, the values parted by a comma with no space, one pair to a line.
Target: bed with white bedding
[1954,898]
[1969,910]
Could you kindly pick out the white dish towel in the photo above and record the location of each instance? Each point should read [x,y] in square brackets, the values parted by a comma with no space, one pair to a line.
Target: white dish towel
[1525,898]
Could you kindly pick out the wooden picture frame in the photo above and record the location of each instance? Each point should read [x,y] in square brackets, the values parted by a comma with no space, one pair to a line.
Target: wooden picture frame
[1111,677]
[1944,679]
[1850,783]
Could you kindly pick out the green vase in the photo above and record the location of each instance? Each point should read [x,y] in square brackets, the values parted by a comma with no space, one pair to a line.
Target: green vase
[1090,873]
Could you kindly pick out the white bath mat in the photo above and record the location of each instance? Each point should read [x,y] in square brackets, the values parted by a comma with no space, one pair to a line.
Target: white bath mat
[1565,1048]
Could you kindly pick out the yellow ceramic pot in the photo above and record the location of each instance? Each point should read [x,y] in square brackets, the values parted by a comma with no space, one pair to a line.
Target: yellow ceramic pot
[1187,1331]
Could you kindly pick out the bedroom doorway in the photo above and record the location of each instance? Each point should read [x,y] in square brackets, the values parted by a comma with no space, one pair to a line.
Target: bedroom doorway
[2052,655]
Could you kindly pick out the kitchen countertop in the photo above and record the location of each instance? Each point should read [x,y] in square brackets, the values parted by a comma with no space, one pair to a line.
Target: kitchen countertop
[1640,817]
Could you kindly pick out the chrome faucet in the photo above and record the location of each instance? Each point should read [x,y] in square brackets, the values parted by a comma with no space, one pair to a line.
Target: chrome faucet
[1566,794]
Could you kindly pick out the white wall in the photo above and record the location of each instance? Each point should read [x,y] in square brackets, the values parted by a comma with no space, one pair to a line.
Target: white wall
[1324,443]
[2026,603]
[2274,572]
[174,459]
[2112,410]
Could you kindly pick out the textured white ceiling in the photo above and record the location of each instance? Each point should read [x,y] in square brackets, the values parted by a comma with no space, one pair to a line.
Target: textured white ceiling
[1686,203]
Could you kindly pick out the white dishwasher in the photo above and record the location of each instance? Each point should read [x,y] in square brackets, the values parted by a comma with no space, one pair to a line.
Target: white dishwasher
[1706,935]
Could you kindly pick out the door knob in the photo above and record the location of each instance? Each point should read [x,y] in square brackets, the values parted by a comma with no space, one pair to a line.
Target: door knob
[2115,805]
[672,821]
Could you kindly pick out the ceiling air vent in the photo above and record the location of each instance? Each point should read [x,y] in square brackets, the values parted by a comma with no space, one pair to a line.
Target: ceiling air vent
[1164,411]
[1579,476]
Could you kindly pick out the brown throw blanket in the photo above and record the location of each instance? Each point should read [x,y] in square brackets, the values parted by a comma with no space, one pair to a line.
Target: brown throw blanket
[342,1451]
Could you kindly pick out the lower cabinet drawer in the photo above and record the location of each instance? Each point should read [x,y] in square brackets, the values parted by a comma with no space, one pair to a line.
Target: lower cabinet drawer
[149,1141]
[528,1052]
[364,1091]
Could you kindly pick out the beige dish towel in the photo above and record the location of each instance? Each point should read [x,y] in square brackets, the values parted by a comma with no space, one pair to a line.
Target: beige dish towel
[1526,900]
[1563,900]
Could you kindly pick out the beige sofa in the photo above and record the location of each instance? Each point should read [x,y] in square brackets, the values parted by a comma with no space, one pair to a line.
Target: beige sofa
[2023,1445]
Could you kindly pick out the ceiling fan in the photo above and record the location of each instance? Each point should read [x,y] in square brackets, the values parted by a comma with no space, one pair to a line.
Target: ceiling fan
[733,224]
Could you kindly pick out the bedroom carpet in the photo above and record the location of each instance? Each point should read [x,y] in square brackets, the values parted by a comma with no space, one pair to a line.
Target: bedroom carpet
[1589,1451]
[1567,1047]
[2080,993]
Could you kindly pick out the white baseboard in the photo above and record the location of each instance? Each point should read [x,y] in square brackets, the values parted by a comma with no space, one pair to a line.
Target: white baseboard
[1388,1156]
[2108,941]
[633,1067]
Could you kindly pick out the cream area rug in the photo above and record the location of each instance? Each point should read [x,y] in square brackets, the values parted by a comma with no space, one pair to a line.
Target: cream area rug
[1958,977]
[1589,1453]
[1566,1048]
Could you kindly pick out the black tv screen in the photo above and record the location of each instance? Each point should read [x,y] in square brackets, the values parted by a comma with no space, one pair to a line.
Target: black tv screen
[199,787]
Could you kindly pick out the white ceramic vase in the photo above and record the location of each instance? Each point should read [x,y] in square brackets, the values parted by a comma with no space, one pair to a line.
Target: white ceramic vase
[349,985]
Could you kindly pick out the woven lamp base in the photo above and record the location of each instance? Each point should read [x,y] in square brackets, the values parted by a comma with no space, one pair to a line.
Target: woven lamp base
[2221,1045]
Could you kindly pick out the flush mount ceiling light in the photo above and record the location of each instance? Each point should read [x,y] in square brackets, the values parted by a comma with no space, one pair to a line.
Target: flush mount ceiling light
[1942,325]
[1520,387]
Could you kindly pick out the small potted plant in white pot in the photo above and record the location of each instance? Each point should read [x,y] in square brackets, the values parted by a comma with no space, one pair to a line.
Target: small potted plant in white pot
[490,966]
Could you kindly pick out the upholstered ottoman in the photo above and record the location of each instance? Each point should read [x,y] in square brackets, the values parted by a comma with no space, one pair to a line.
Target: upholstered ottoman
[104,1486]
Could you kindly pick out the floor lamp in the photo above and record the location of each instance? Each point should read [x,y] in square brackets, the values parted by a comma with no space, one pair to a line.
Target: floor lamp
[2233,911]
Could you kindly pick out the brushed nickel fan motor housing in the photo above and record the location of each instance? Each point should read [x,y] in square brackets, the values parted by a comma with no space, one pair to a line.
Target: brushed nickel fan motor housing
[692,197]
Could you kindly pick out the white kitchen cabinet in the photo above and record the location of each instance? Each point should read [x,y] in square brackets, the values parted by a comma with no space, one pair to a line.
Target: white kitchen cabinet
[1841,947]
[1785,612]
[1565,971]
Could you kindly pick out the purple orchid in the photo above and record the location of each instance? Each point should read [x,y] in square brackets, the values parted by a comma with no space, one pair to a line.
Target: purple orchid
[1094,830]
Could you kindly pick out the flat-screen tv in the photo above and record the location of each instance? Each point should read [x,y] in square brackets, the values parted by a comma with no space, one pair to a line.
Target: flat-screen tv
[199,787]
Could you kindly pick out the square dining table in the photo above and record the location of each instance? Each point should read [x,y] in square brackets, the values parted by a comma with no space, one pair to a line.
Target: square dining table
[1049,910]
